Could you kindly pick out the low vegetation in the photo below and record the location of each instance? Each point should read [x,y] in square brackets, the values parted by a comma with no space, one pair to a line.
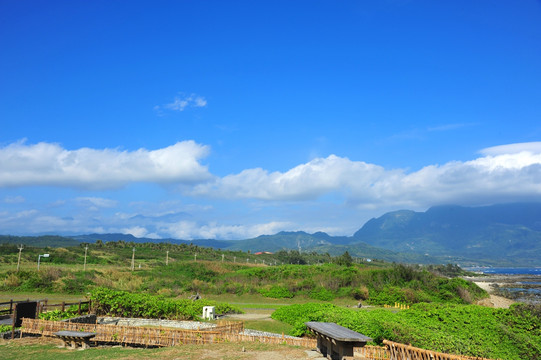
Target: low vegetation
[135,305]
[397,283]
[471,330]
[441,315]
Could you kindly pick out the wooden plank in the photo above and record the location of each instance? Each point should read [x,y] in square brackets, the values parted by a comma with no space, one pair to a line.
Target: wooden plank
[77,334]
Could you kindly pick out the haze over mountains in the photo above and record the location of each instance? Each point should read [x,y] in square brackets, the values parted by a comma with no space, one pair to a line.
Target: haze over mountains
[504,234]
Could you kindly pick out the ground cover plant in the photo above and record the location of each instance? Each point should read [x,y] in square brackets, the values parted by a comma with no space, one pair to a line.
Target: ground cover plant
[471,330]
[126,304]
[70,312]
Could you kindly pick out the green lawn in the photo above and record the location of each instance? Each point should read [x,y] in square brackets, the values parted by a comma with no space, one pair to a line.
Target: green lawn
[46,349]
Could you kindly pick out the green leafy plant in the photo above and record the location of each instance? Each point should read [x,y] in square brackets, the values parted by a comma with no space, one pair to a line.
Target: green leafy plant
[127,304]
[471,330]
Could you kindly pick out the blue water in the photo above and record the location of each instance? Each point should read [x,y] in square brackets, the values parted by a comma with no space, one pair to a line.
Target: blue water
[529,287]
[507,270]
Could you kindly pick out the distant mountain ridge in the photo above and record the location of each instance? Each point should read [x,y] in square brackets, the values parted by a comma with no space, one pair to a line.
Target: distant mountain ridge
[503,234]
[506,232]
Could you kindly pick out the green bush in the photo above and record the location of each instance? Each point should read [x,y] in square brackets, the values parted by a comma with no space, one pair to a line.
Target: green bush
[471,330]
[4,328]
[126,304]
[321,293]
[276,292]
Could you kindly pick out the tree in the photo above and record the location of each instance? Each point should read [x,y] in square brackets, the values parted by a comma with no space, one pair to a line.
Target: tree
[345,259]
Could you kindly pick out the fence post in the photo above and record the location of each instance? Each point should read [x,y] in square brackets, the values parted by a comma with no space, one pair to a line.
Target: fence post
[79,308]
[13,322]
[11,306]
[63,306]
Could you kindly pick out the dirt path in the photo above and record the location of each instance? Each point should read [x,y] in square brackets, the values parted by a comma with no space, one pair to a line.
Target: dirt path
[494,300]
[250,316]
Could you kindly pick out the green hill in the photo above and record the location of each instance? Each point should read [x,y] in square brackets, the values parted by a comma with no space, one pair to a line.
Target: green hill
[507,234]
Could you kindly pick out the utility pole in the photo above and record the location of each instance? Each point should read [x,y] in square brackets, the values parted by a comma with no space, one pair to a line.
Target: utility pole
[223,257]
[167,257]
[234,259]
[133,259]
[195,257]
[86,251]
[19,260]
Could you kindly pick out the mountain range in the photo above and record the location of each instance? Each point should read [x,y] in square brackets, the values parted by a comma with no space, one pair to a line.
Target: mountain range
[503,234]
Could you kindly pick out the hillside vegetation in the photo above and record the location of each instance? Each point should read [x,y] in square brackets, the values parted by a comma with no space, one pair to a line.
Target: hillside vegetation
[235,273]
[441,315]
[506,234]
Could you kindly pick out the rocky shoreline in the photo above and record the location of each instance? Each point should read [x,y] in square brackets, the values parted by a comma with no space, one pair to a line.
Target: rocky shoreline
[505,290]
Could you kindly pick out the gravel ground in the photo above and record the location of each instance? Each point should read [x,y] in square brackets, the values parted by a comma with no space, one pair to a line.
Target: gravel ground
[264,333]
[188,325]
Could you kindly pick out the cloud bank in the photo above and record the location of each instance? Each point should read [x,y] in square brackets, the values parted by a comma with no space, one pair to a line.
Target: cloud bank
[313,196]
[506,173]
[50,164]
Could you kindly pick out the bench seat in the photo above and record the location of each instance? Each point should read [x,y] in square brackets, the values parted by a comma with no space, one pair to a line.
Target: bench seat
[75,338]
[335,341]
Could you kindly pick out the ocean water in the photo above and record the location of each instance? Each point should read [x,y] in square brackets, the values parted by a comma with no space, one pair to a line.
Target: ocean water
[506,270]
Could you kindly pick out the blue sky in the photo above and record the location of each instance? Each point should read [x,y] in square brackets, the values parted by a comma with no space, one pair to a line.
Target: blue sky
[231,119]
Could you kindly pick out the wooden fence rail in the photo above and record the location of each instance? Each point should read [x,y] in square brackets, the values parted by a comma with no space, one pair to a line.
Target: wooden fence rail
[9,310]
[408,352]
[43,306]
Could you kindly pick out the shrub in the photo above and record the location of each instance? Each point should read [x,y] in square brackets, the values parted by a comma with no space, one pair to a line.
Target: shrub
[471,330]
[12,281]
[126,304]
[276,292]
[321,293]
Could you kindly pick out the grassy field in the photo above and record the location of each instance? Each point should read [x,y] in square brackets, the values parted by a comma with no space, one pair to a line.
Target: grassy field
[258,290]
[257,301]
[53,298]
[47,348]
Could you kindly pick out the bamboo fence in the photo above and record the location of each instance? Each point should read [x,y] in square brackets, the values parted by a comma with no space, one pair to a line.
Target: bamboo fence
[304,342]
[370,352]
[223,332]
[135,335]
[407,352]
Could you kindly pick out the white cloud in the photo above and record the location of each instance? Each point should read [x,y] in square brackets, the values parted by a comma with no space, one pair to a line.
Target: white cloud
[532,147]
[303,182]
[139,231]
[503,177]
[14,199]
[181,102]
[50,164]
[447,127]
[192,230]
[325,194]
[97,202]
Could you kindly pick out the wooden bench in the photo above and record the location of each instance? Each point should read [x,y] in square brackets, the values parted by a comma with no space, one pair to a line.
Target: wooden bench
[335,341]
[75,338]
